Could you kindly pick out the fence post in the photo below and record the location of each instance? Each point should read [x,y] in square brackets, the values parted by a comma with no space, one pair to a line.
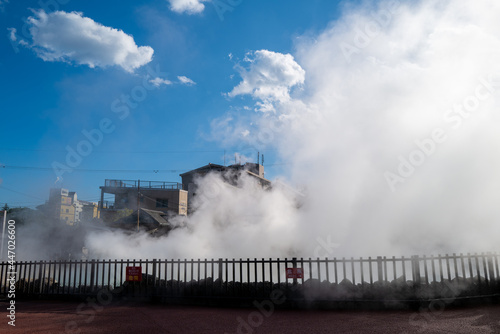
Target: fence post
[415,265]
[154,273]
[294,265]
[41,275]
[220,273]
[491,269]
[92,275]
[380,269]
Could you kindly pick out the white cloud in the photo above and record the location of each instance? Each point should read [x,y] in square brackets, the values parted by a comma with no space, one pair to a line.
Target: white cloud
[71,37]
[157,82]
[186,81]
[12,34]
[187,6]
[14,38]
[269,77]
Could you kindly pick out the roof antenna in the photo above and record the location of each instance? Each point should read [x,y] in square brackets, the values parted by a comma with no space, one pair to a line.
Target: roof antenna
[258,157]
[262,160]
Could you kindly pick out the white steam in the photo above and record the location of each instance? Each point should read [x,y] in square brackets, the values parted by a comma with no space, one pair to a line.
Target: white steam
[394,137]
[229,221]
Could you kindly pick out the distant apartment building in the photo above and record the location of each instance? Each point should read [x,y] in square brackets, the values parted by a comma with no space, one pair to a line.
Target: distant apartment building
[65,206]
[139,194]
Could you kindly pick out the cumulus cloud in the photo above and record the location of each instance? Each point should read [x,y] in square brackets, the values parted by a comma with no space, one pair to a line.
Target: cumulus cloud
[269,77]
[71,37]
[187,6]
[186,81]
[157,82]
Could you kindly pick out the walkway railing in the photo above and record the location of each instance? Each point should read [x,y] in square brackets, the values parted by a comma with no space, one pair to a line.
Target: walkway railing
[142,184]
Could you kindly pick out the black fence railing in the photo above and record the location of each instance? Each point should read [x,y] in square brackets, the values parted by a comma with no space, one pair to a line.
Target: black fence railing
[380,278]
[142,184]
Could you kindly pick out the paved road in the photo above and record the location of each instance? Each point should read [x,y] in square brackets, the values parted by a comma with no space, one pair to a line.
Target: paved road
[72,317]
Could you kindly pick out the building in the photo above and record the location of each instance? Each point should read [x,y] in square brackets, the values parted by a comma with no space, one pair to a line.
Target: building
[63,205]
[90,211]
[152,221]
[138,194]
[229,174]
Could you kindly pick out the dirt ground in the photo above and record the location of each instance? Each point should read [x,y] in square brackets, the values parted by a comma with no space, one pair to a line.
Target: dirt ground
[75,317]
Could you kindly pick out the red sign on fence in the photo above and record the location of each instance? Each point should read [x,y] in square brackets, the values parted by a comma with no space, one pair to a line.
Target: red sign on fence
[133,274]
[294,273]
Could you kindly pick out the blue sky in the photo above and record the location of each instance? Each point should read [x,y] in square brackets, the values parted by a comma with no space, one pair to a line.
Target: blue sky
[50,95]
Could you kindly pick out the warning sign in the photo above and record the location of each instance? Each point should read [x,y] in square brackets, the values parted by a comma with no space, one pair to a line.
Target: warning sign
[294,273]
[133,274]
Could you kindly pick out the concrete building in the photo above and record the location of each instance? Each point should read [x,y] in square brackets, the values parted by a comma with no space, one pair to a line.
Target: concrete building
[230,174]
[138,194]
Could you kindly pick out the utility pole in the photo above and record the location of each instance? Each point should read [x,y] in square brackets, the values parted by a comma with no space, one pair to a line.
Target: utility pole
[3,232]
[138,202]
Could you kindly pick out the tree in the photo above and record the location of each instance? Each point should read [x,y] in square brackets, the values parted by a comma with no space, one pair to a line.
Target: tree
[5,207]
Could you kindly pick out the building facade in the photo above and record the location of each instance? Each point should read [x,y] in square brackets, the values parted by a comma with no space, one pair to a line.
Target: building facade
[229,174]
[63,205]
[139,194]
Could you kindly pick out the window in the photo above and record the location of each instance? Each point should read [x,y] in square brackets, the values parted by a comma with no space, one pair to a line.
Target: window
[161,203]
[67,210]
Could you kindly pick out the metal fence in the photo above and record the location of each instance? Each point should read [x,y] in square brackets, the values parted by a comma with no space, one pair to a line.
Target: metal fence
[142,184]
[212,276]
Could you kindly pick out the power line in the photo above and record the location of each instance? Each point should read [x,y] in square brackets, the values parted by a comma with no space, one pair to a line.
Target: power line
[21,193]
[124,152]
[113,152]
[91,170]
[156,171]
